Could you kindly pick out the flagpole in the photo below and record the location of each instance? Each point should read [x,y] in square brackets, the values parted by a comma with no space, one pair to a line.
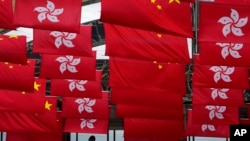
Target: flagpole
[76,136]
[196,25]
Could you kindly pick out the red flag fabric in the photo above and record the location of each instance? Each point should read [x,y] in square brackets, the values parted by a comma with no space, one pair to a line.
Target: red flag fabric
[85,107]
[132,111]
[245,121]
[15,101]
[206,130]
[68,67]
[6,14]
[128,73]
[14,136]
[82,125]
[220,77]
[139,44]
[64,43]
[229,2]
[218,96]
[139,127]
[17,77]
[149,15]
[236,54]
[77,88]
[161,99]
[48,15]
[13,49]
[50,106]
[213,114]
[224,23]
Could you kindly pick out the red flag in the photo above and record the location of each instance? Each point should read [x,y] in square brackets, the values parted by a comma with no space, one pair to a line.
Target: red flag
[224,23]
[50,106]
[85,107]
[82,125]
[17,77]
[77,88]
[161,99]
[214,114]
[68,67]
[6,14]
[132,111]
[63,43]
[13,49]
[236,54]
[245,121]
[15,101]
[206,130]
[146,75]
[149,15]
[48,15]
[14,136]
[229,2]
[220,77]
[139,44]
[138,127]
[39,86]
[218,96]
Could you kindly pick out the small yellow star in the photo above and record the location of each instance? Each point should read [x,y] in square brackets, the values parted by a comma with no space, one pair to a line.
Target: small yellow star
[160,66]
[13,36]
[23,92]
[47,105]
[152,1]
[159,7]
[177,1]
[36,86]
[1,39]
[159,35]
[155,62]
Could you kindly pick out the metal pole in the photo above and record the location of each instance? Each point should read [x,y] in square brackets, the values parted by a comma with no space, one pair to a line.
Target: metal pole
[114,134]
[76,136]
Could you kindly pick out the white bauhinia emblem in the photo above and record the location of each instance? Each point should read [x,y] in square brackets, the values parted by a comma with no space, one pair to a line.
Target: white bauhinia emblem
[87,123]
[63,38]
[49,12]
[221,93]
[233,23]
[85,104]
[230,49]
[68,63]
[222,72]
[77,84]
[216,111]
[209,127]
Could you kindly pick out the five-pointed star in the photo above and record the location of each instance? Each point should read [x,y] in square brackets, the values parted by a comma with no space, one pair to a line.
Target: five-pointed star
[1,39]
[13,36]
[36,86]
[159,35]
[152,1]
[159,7]
[47,105]
[160,66]
[177,1]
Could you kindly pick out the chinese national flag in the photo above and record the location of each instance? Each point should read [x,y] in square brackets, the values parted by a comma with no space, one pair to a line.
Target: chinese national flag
[146,75]
[229,2]
[64,43]
[220,77]
[6,14]
[26,103]
[68,67]
[50,106]
[218,96]
[139,44]
[206,130]
[161,99]
[77,88]
[17,77]
[84,125]
[14,136]
[150,128]
[132,111]
[39,86]
[229,54]
[85,107]
[214,114]
[149,15]
[13,48]
[48,15]
[225,23]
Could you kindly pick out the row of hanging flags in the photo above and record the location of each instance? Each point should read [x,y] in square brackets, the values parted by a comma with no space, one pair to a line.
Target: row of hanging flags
[148,50]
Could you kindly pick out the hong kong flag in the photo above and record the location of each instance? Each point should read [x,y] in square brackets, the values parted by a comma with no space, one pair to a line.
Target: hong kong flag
[225,23]
[218,96]
[64,43]
[220,77]
[49,15]
[68,67]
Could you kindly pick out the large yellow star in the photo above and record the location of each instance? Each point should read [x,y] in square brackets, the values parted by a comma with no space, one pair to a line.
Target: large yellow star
[48,105]
[177,1]
[36,86]
[152,1]
[13,36]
